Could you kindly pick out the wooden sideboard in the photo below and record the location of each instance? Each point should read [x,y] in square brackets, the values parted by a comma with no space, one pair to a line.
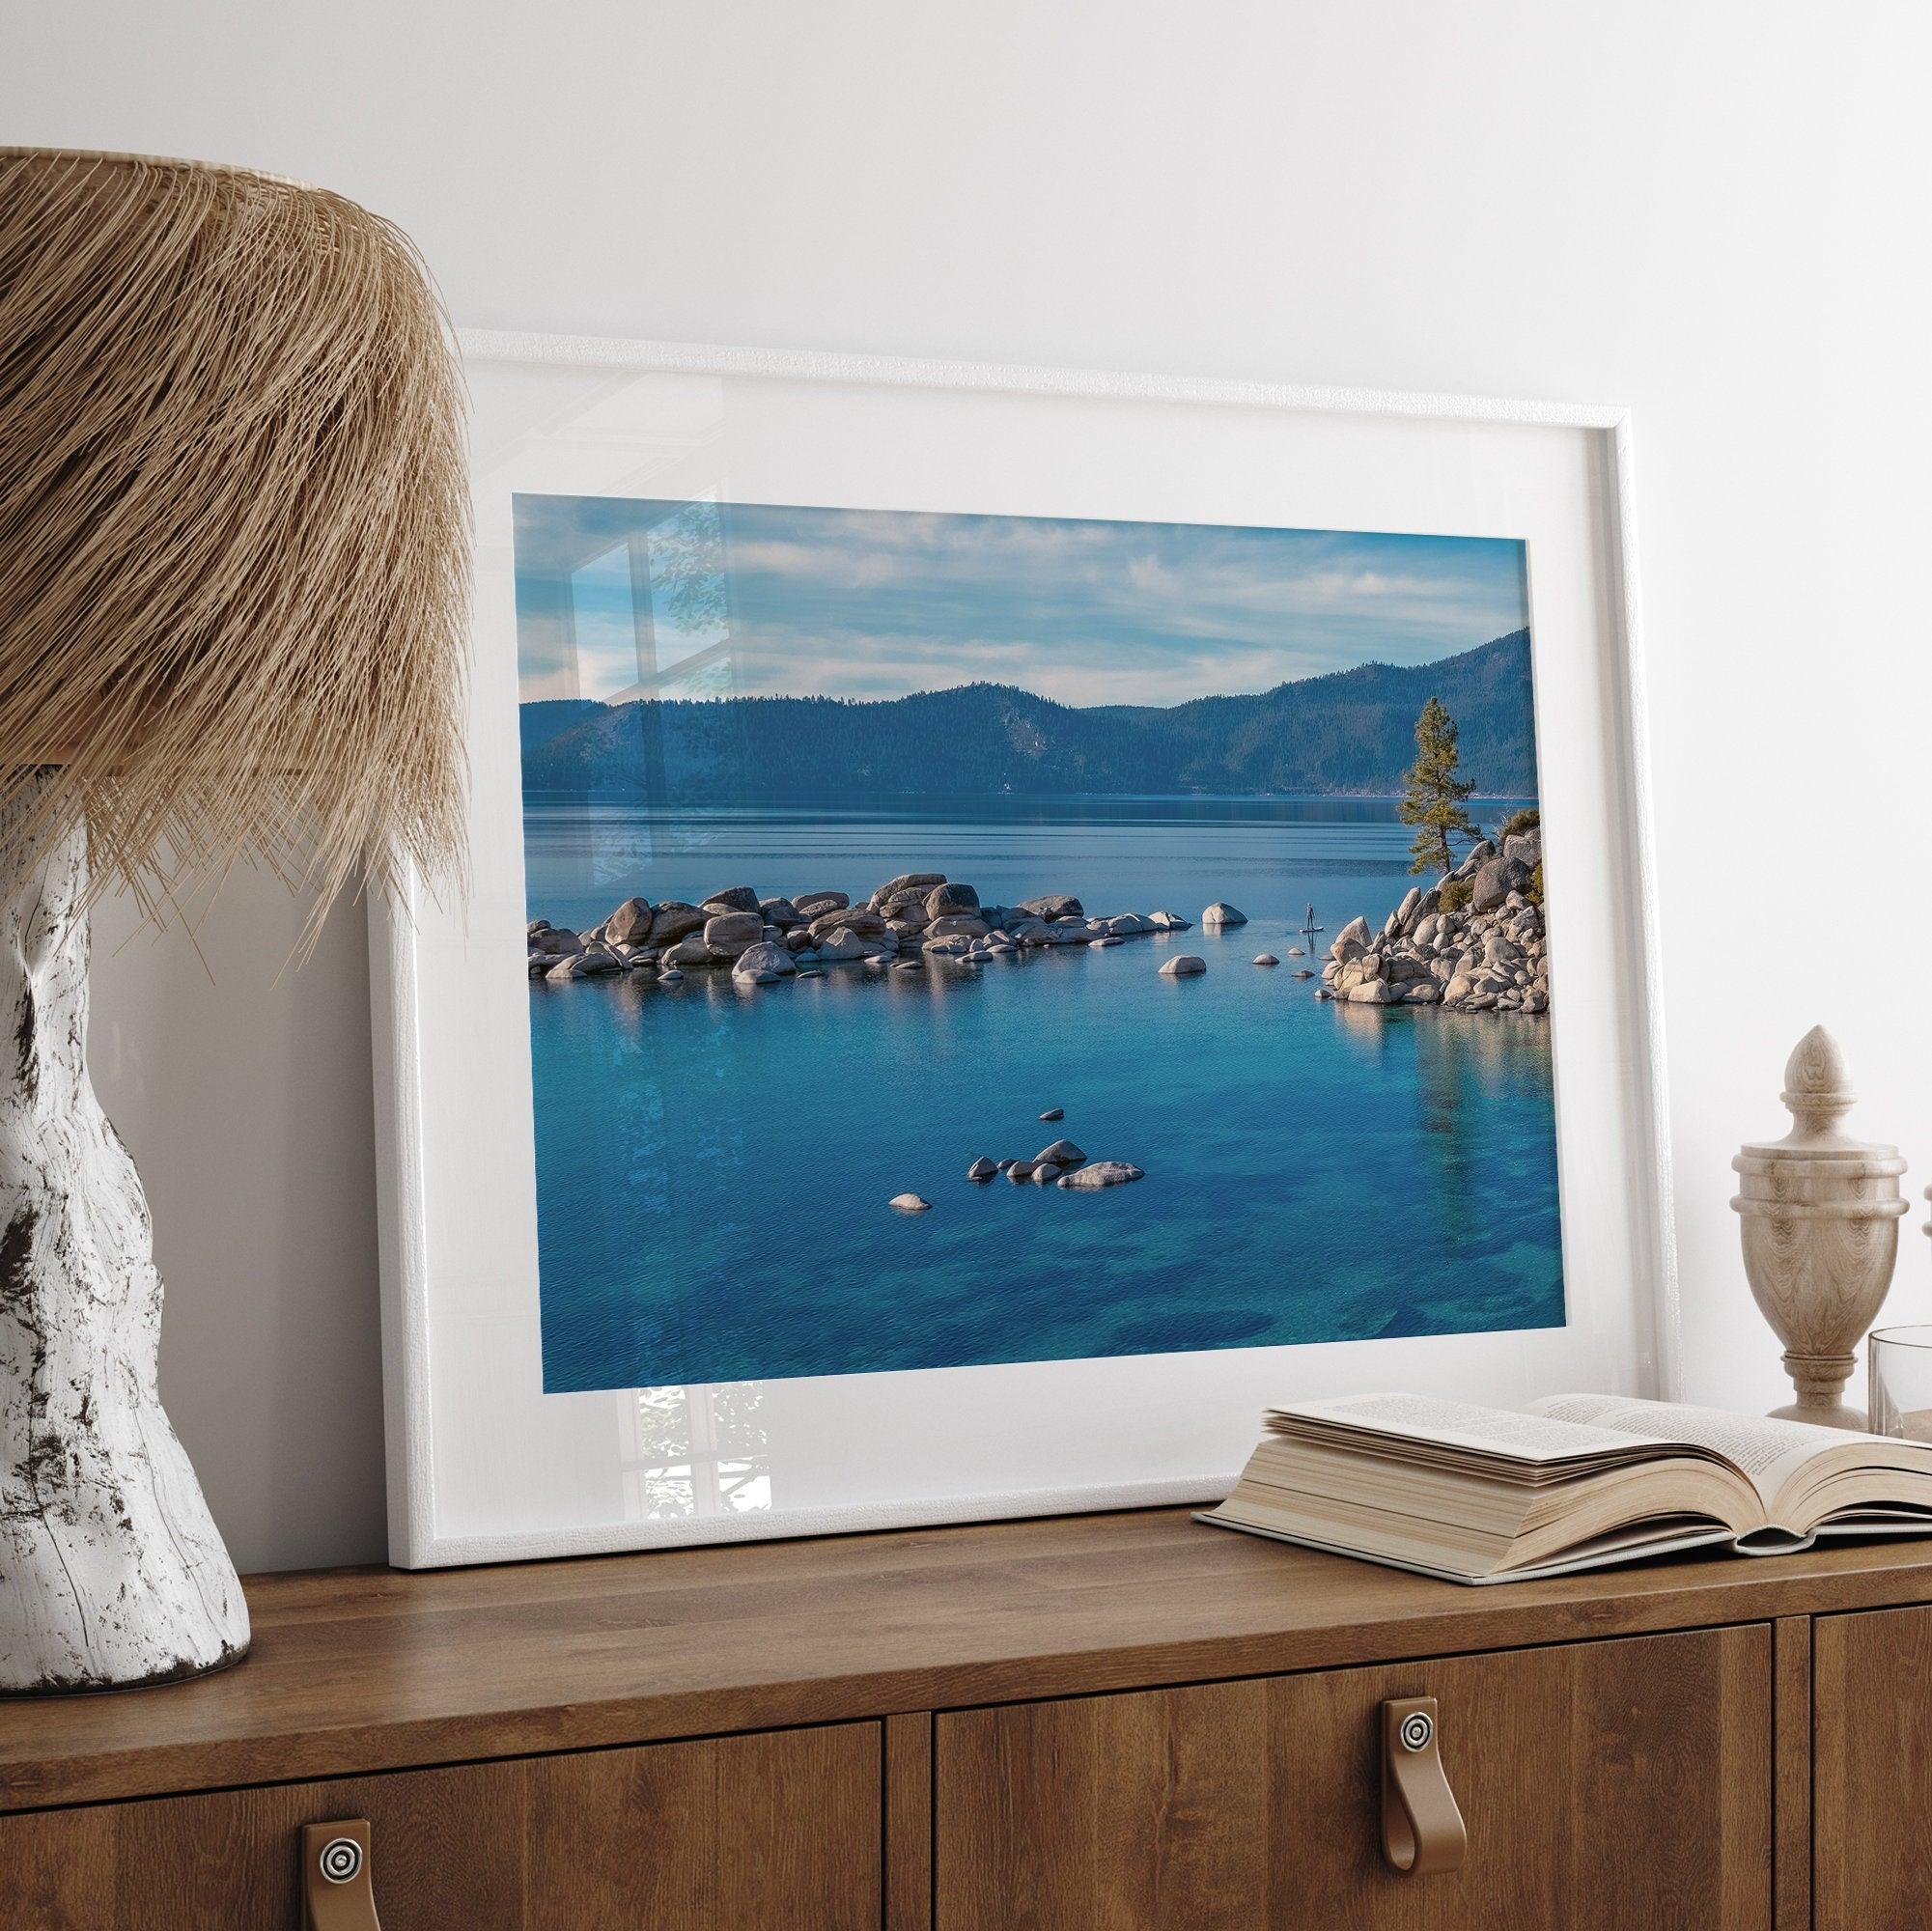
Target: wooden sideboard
[1116,1720]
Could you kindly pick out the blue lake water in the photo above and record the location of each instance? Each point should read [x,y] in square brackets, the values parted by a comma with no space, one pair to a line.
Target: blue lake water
[714,1164]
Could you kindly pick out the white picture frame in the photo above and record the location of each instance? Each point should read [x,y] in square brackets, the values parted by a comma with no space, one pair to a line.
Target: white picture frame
[483,1466]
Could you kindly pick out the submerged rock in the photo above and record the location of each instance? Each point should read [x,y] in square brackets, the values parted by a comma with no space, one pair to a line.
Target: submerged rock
[1265,959]
[1183,965]
[982,1171]
[1102,1173]
[1220,914]
[1062,1153]
[1020,1171]
[1055,1114]
[1168,921]
[909,1203]
[763,964]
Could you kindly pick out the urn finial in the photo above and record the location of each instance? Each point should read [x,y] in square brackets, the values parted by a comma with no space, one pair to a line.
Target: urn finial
[1818,1088]
[1820,1212]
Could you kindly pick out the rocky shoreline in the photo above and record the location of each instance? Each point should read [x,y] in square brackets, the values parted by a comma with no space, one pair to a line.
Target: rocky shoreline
[1473,943]
[909,920]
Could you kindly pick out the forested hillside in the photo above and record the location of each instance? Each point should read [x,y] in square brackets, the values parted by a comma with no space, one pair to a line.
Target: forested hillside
[1351,731]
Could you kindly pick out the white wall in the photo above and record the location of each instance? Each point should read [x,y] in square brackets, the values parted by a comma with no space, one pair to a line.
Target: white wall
[1715,212]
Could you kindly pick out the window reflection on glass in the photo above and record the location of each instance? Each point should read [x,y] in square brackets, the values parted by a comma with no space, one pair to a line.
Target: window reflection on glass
[605,653]
[698,1451]
[618,600]
[622,600]
[689,615]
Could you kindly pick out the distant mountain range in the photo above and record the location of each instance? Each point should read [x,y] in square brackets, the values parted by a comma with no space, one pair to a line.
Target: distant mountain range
[1351,731]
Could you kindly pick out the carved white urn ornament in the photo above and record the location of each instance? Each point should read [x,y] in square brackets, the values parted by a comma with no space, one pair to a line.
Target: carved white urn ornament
[234,578]
[1821,1214]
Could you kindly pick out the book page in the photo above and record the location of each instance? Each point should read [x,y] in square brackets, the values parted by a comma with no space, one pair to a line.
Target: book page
[1766,1452]
[1493,1431]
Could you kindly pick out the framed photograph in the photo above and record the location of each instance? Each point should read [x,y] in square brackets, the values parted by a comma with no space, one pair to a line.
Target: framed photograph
[1018,918]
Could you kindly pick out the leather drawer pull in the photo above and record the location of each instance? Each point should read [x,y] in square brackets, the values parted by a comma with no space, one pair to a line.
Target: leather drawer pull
[1422,1829]
[336,1891]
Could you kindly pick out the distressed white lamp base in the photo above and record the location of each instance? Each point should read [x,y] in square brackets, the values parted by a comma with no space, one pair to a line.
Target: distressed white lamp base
[111,1570]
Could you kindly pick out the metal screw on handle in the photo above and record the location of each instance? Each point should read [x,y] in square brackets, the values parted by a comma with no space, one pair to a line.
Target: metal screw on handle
[341,1860]
[1422,1828]
[336,1891]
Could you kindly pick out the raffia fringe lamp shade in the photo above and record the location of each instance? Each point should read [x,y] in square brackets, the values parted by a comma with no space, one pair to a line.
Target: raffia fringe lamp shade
[234,578]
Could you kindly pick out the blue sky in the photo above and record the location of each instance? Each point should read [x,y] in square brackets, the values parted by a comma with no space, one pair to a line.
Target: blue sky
[761,599]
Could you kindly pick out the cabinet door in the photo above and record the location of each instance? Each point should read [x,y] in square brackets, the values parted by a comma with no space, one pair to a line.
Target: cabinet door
[743,1833]
[1871,1778]
[1619,1784]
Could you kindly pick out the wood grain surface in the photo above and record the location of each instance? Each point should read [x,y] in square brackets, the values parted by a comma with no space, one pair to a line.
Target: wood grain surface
[1791,1771]
[745,1833]
[1617,1784]
[909,1822]
[356,1671]
[1873,1771]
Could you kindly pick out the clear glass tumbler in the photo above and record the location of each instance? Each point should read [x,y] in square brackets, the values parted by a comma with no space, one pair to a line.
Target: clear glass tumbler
[1900,1362]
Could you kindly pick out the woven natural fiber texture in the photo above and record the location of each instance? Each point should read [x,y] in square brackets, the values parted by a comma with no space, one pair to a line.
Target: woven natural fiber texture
[234,522]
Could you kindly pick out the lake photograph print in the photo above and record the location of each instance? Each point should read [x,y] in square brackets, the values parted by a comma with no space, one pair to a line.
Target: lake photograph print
[960,940]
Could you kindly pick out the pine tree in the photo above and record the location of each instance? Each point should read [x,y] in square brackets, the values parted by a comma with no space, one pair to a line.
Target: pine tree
[1433,796]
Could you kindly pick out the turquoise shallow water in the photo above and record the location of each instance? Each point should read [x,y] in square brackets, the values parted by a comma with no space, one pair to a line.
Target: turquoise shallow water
[714,1164]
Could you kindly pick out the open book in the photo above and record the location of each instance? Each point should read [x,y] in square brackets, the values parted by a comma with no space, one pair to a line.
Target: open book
[1487,1495]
